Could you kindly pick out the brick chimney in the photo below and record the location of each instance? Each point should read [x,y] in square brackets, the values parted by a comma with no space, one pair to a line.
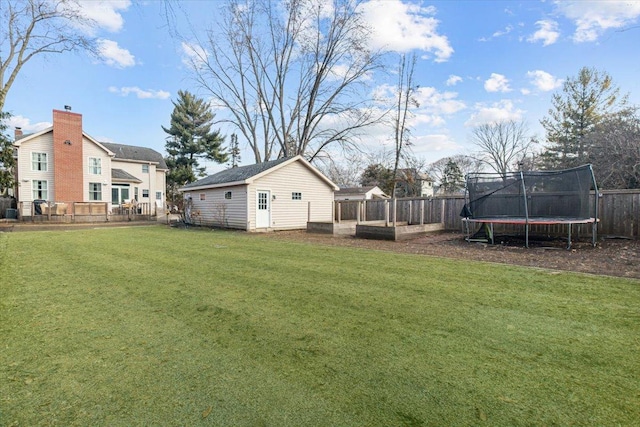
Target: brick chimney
[67,156]
[17,133]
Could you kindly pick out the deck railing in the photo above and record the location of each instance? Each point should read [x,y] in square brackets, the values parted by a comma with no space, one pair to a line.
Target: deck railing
[63,211]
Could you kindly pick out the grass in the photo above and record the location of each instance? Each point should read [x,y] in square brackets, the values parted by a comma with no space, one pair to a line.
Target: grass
[158,326]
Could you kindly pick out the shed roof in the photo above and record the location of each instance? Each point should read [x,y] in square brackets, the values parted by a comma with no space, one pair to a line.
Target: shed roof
[246,174]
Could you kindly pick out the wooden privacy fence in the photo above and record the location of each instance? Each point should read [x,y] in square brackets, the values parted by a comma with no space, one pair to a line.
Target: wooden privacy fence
[618,211]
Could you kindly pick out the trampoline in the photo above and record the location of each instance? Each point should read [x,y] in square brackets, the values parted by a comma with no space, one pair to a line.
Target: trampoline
[561,197]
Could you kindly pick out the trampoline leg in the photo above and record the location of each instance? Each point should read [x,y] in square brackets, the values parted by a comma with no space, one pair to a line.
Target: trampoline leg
[491,228]
[569,237]
[526,236]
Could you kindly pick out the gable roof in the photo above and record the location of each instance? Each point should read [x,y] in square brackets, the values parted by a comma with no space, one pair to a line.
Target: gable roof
[248,174]
[139,154]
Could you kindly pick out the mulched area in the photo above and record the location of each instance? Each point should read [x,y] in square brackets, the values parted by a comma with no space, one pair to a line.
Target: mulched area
[610,257]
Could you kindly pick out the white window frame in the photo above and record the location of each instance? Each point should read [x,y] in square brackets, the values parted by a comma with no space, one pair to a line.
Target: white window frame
[42,166]
[145,168]
[93,193]
[228,195]
[43,191]
[145,191]
[158,195]
[95,166]
[296,195]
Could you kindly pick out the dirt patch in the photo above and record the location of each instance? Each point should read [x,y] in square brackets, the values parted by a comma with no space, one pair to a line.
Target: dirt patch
[611,257]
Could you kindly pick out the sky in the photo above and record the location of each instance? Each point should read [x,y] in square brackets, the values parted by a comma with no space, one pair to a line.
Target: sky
[478,62]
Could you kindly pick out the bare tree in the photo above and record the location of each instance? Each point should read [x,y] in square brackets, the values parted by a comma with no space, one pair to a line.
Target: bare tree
[346,172]
[502,145]
[36,27]
[615,150]
[466,164]
[404,101]
[292,74]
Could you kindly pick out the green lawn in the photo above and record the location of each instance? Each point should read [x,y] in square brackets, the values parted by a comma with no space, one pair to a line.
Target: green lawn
[159,326]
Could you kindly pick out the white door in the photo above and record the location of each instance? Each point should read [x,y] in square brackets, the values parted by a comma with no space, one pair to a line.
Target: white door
[263,209]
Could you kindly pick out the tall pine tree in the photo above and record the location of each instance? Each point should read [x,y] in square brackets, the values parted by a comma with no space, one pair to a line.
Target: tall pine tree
[576,111]
[190,140]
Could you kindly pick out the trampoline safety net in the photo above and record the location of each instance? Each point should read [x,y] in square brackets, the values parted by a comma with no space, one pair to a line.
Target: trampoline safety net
[533,194]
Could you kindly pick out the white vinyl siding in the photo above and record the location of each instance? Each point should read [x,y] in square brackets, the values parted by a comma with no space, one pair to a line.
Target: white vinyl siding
[40,144]
[95,159]
[215,210]
[287,213]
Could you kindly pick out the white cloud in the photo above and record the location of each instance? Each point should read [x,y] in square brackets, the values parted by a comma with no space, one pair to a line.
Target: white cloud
[592,18]
[102,15]
[547,33]
[403,27]
[26,125]
[106,13]
[497,83]
[543,81]
[141,94]
[493,113]
[194,55]
[115,56]
[453,80]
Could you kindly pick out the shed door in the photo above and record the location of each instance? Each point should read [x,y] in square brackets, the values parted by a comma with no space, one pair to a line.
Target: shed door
[263,209]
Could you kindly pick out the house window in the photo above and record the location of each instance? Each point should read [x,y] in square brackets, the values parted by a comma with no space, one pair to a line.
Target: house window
[119,194]
[95,165]
[202,196]
[95,191]
[158,195]
[227,195]
[39,189]
[296,196]
[145,168]
[145,193]
[39,162]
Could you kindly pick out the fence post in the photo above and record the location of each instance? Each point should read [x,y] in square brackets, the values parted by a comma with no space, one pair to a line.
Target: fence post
[395,211]
[364,210]
[386,213]
[421,211]
[339,212]
[308,211]
[49,211]
[106,211]
[358,213]
[410,212]
[442,212]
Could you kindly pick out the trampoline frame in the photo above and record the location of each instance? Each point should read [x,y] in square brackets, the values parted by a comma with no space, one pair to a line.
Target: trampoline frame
[527,221]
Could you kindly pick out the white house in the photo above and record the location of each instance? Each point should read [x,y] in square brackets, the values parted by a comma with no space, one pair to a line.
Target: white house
[281,194]
[360,193]
[64,164]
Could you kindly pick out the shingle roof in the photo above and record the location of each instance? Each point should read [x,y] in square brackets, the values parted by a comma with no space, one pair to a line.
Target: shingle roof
[130,152]
[355,190]
[238,174]
[121,175]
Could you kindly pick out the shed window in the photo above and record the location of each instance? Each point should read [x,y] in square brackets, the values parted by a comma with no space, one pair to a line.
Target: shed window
[227,195]
[296,196]
[202,196]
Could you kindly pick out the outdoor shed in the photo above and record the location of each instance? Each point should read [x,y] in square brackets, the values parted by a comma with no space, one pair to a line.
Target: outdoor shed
[282,194]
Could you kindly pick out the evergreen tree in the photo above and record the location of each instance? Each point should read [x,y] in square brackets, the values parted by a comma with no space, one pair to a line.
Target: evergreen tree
[7,161]
[190,141]
[576,111]
[452,179]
